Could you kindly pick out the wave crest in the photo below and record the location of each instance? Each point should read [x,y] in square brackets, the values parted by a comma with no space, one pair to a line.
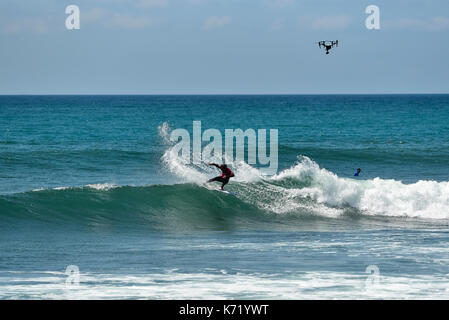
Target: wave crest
[296,195]
[307,187]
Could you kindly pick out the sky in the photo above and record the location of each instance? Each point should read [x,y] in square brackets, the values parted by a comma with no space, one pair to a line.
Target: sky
[223,47]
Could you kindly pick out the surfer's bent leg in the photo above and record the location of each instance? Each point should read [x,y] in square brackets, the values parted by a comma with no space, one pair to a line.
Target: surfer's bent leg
[220,179]
[225,182]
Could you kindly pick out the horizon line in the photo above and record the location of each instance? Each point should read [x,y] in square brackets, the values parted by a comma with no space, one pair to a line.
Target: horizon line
[215,94]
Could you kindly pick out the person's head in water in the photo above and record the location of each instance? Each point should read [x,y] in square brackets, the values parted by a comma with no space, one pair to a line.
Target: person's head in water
[223,166]
[358,170]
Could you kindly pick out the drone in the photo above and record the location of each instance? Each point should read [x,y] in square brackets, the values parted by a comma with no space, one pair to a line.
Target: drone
[328,45]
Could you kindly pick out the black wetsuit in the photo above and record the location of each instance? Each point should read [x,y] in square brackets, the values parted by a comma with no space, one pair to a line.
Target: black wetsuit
[226,174]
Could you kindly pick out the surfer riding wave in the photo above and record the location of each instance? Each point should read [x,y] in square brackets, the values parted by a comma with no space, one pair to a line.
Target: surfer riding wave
[226,174]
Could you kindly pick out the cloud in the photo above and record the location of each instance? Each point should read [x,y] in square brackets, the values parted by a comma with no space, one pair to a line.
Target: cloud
[152,3]
[92,15]
[108,19]
[138,3]
[129,22]
[195,1]
[31,25]
[214,22]
[281,3]
[434,24]
[278,24]
[339,22]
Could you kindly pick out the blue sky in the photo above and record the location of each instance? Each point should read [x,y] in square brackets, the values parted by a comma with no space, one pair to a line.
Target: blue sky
[223,46]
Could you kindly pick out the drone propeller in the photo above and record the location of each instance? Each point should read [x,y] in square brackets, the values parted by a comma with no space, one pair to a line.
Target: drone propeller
[323,42]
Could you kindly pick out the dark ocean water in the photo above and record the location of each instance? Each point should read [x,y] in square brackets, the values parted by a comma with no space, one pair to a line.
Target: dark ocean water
[93,181]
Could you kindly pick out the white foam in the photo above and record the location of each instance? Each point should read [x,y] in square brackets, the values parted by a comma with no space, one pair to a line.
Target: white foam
[199,173]
[330,193]
[102,186]
[61,188]
[424,199]
[164,130]
[222,285]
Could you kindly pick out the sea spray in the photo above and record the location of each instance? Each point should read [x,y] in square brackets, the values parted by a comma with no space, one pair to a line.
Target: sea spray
[236,141]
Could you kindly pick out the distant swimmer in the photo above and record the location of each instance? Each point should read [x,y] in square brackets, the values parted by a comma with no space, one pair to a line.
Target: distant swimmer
[356,174]
[226,174]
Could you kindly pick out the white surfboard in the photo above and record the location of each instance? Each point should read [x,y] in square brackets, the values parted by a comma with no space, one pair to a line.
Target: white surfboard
[228,192]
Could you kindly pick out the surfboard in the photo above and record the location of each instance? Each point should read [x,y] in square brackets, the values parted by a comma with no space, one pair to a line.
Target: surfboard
[228,192]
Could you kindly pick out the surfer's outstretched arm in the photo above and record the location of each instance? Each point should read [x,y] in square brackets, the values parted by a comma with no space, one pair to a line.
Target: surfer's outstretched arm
[214,164]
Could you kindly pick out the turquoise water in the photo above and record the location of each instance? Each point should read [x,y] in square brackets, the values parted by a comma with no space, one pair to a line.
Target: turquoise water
[92,181]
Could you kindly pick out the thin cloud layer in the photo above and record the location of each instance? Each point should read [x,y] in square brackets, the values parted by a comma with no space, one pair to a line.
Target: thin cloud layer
[434,24]
[18,26]
[152,3]
[280,3]
[339,22]
[214,22]
[130,22]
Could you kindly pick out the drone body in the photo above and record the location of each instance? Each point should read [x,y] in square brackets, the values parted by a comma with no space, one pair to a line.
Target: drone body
[328,45]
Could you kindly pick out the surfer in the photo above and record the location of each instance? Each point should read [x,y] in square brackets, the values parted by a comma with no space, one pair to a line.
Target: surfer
[226,174]
[356,174]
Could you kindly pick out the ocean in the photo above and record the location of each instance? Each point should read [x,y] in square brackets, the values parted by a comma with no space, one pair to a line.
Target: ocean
[95,203]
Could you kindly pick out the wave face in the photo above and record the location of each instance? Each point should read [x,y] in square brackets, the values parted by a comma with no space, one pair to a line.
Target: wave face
[296,196]
[306,188]
[155,207]
[303,193]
